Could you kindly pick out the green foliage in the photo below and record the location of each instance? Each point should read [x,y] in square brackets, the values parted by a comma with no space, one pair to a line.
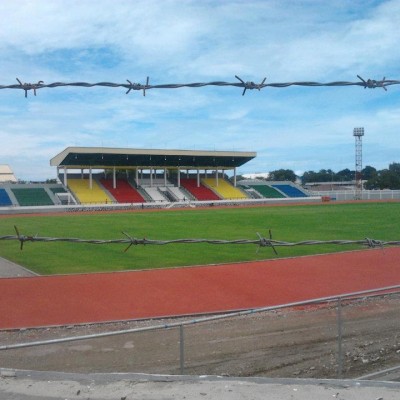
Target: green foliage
[290,223]
[282,175]
[383,179]
[327,175]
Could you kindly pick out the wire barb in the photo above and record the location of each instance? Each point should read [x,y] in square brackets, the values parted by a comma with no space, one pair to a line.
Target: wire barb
[251,85]
[138,86]
[22,238]
[30,86]
[372,84]
[266,242]
[133,242]
[372,243]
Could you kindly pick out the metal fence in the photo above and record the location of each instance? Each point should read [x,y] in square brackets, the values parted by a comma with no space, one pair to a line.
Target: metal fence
[344,195]
[339,336]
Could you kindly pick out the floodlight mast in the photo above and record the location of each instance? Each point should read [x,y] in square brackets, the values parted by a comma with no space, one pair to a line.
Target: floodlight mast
[358,133]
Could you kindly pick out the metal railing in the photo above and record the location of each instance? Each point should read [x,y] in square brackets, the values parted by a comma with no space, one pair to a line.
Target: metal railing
[336,301]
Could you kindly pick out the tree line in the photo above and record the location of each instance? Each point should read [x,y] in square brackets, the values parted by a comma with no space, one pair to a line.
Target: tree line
[388,178]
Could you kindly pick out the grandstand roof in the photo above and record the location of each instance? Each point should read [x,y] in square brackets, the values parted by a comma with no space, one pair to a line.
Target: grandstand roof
[100,157]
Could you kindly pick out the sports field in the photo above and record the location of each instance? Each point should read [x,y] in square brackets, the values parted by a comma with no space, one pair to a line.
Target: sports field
[289,223]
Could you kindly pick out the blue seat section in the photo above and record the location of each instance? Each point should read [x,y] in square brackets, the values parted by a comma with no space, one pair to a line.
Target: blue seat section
[4,198]
[290,190]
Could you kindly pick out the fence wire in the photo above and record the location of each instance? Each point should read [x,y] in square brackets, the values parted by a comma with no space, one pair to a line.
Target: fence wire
[245,85]
[261,241]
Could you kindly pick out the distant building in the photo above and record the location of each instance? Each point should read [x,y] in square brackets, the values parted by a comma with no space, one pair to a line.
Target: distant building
[6,174]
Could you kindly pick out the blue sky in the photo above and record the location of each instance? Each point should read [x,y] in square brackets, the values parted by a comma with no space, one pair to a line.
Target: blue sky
[178,41]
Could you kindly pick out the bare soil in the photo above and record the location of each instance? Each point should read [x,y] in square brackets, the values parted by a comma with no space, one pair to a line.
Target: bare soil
[292,343]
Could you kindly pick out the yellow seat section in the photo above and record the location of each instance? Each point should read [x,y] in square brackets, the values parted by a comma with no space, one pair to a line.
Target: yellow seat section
[80,187]
[224,188]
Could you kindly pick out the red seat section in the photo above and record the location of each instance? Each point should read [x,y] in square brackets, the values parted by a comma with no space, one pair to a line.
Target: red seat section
[200,193]
[124,192]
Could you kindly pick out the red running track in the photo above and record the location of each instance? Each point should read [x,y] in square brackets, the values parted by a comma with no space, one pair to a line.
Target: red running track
[76,299]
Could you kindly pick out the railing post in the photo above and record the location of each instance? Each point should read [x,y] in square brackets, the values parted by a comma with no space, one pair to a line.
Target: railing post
[339,339]
[181,349]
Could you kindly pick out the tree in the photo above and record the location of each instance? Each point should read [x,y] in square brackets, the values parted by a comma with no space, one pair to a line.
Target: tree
[388,178]
[369,173]
[345,175]
[282,175]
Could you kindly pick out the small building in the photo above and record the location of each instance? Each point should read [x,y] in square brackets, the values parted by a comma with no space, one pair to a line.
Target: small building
[6,174]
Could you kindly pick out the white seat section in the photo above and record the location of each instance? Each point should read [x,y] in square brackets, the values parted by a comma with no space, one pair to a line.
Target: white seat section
[145,182]
[178,193]
[154,194]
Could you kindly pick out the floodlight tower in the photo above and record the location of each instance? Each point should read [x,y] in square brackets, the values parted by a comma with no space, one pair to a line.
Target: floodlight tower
[358,133]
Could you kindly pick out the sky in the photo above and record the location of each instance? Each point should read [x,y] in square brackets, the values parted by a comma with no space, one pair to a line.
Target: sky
[186,41]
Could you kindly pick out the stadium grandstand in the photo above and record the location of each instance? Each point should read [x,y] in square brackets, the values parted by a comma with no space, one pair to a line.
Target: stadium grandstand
[93,177]
[257,188]
[109,175]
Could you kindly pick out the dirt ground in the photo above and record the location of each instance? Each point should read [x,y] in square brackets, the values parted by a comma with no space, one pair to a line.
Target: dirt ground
[299,343]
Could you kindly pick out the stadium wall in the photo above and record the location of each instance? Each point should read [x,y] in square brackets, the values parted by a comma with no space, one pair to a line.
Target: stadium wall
[153,205]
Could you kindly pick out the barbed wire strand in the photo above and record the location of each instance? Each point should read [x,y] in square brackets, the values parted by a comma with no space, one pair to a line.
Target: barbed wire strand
[261,241]
[246,85]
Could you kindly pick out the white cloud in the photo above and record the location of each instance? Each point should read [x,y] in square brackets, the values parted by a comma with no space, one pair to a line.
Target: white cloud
[187,41]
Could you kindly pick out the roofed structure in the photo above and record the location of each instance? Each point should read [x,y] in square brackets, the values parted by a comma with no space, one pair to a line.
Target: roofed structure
[6,174]
[101,157]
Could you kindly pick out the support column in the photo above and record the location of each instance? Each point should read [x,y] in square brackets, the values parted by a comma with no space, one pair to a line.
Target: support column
[179,177]
[90,178]
[216,177]
[234,176]
[151,177]
[198,178]
[137,176]
[165,176]
[65,177]
[114,179]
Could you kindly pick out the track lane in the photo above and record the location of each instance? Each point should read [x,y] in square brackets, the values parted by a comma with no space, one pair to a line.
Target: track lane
[90,298]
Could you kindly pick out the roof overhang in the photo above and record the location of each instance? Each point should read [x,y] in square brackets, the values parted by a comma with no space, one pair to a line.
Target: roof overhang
[100,158]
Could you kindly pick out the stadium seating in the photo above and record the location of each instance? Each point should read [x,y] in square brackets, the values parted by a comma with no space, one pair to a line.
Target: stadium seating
[32,196]
[201,193]
[289,190]
[124,192]
[85,195]
[224,189]
[177,193]
[267,191]
[4,198]
[155,194]
[58,189]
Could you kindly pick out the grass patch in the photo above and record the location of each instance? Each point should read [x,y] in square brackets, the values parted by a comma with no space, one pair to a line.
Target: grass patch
[291,223]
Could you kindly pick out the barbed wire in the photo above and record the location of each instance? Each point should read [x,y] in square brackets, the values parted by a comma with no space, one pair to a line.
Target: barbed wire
[260,242]
[246,85]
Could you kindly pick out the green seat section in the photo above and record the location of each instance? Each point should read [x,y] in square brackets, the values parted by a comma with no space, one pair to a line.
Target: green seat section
[267,191]
[58,189]
[32,197]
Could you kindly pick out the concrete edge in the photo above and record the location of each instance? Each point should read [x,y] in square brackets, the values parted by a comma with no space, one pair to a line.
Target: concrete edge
[104,378]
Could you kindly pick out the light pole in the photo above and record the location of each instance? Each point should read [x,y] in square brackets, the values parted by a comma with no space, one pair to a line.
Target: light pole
[358,133]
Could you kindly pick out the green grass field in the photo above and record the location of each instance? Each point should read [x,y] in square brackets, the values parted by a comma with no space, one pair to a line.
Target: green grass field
[290,223]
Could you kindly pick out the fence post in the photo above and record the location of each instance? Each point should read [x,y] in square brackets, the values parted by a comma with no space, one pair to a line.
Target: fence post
[339,339]
[181,349]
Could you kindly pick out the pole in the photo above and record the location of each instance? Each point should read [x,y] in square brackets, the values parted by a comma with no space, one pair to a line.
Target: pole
[339,339]
[182,349]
